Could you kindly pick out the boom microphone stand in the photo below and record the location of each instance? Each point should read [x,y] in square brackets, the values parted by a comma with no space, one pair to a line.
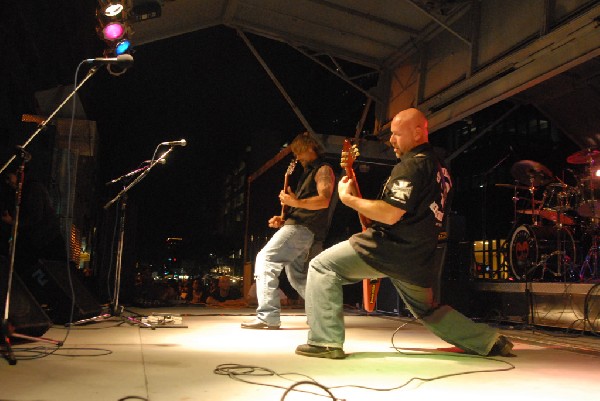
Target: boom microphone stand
[42,126]
[6,329]
[121,197]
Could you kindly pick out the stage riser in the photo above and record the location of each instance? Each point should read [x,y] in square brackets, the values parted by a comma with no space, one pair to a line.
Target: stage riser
[557,305]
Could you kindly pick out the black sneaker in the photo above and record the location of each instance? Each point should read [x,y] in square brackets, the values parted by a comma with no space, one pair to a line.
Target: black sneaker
[502,347]
[320,352]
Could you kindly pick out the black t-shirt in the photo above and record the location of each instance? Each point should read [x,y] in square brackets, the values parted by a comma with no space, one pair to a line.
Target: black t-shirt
[419,185]
[316,221]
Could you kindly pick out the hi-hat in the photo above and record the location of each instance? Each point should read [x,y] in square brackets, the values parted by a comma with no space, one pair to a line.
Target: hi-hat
[529,172]
[584,156]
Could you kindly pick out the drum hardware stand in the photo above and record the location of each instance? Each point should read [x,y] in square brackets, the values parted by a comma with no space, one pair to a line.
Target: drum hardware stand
[591,255]
[544,263]
[593,251]
[116,309]
[6,329]
[586,265]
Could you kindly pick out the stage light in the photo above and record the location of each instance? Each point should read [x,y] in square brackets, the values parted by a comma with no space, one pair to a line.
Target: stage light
[113,27]
[113,31]
[111,8]
[122,47]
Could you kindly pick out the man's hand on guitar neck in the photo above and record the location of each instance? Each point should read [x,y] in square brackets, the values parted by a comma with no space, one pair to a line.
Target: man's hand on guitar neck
[349,194]
[288,198]
[346,188]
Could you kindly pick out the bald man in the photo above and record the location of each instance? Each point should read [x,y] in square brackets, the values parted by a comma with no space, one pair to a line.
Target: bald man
[400,243]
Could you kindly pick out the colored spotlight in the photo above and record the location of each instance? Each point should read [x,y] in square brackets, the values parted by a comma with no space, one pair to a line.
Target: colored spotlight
[122,46]
[113,31]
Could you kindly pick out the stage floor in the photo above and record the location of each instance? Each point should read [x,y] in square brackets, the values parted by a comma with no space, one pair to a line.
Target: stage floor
[114,360]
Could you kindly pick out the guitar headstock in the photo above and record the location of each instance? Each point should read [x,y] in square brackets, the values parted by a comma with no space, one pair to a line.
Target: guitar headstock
[349,154]
[291,167]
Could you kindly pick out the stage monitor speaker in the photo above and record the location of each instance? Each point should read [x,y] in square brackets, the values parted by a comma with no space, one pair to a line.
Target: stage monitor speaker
[24,313]
[48,281]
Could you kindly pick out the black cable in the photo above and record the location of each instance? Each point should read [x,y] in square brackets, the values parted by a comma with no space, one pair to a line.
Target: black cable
[40,352]
[311,383]
[593,292]
[236,371]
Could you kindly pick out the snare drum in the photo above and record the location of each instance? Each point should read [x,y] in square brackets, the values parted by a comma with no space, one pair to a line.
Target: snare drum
[547,247]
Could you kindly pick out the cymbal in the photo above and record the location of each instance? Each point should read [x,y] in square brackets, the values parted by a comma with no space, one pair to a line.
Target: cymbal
[512,186]
[531,173]
[584,156]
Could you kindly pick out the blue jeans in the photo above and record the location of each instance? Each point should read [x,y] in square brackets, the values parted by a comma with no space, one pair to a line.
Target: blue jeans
[341,265]
[287,249]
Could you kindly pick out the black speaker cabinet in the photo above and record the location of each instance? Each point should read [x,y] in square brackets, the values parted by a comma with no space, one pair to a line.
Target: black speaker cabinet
[50,283]
[388,299]
[24,313]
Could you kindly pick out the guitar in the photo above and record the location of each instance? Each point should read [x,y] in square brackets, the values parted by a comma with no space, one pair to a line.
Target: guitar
[288,172]
[370,286]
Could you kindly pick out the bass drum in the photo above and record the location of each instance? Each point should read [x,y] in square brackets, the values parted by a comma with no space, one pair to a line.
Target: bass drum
[540,252]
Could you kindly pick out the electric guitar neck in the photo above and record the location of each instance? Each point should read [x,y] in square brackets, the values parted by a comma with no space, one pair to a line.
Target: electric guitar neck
[370,286]
[349,154]
[288,172]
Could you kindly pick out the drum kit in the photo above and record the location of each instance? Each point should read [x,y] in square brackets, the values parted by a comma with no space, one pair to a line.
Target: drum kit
[546,247]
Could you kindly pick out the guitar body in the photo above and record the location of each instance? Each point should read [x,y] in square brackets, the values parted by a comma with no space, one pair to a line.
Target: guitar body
[370,286]
[370,291]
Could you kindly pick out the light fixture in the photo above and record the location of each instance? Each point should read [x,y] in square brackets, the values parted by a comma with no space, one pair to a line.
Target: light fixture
[114,27]
[113,31]
[111,8]
[122,46]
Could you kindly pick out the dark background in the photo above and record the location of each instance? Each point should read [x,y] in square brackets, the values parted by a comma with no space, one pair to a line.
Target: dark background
[205,87]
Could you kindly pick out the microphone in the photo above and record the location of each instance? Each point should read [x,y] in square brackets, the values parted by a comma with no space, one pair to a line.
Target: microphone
[122,60]
[181,142]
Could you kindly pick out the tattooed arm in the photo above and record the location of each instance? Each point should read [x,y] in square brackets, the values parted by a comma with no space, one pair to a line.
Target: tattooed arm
[325,184]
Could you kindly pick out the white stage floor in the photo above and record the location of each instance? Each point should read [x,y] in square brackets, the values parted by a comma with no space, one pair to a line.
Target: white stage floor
[113,360]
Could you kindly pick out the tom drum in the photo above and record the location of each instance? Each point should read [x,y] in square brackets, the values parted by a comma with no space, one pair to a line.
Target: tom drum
[560,203]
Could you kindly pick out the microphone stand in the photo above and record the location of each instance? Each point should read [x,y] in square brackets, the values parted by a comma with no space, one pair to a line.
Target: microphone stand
[6,329]
[487,248]
[43,125]
[115,308]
